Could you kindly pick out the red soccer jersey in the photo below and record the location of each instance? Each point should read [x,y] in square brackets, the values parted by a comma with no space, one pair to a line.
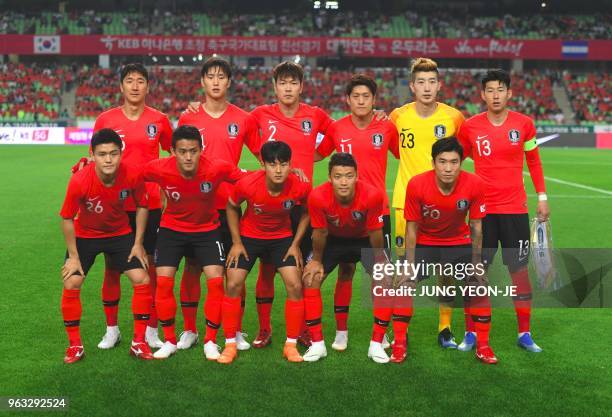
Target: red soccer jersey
[141,141]
[100,210]
[441,218]
[299,132]
[224,138]
[354,221]
[369,146]
[266,216]
[190,205]
[498,153]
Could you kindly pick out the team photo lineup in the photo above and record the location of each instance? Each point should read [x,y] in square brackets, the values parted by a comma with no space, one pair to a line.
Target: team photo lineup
[150,196]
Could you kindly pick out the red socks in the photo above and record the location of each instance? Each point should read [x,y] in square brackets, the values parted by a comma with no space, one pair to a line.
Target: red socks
[212,307]
[382,317]
[191,292]
[71,312]
[141,308]
[111,293]
[342,300]
[231,316]
[166,306]
[482,323]
[264,294]
[153,286]
[294,317]
[401,320]
[313,309]
[522,300]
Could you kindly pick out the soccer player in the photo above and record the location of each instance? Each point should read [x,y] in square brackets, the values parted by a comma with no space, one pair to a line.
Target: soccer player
[498,140]
[437,204]
[265,232]
[95,221]
[225,129]
[419,124]
[346,217]
[143,130]
[189,225]
[369,140]
[301,126]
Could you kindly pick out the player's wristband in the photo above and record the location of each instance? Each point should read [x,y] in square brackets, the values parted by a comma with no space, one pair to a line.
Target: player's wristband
[542,197]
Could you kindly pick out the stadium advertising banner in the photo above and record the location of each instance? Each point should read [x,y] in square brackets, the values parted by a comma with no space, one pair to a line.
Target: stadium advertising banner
[31,136]
[322,46]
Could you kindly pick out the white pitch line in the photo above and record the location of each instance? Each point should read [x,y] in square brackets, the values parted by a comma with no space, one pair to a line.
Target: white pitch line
[574,184]
[553,196]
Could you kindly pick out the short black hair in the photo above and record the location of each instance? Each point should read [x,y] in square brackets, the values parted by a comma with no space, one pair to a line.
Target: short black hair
[221,63]
[496,75]
[103,136]
[288,69]
[361,79]
[134,67]
[342,159]
[186,132]
[275,150]
[450,144]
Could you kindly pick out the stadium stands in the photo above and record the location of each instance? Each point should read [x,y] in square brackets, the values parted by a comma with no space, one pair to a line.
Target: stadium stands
[590,96]
[442,24]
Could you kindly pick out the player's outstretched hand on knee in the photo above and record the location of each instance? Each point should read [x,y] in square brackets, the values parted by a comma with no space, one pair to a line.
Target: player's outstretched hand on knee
[138,252]
[234,254]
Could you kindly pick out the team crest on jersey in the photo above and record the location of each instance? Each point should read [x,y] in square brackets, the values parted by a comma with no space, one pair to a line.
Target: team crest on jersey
[151,131]
[306,126]
[514,136]
[123,194]
[232,130]
[440,131]
[288,204]
[462,204]
[357,215]
[377,140]
[206,187]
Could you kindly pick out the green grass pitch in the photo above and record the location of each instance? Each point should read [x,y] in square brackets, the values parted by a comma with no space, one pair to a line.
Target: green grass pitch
[572,376]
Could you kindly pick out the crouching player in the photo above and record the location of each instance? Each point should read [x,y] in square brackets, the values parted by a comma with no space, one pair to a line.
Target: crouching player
[265,232]
[95,221]
[346,217]
[436,207]
[189,224]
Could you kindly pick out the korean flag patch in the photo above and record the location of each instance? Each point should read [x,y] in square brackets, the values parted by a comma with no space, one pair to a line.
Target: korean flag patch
[357,215]
[440,131]
[205,187]
[514,136]
[151,131]
[306,126]
[232,130]
[288,204]
[123,194]
[377,140]
[462,204]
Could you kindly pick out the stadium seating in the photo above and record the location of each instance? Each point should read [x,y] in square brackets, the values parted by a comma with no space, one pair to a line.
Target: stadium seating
[590,96]
[442,24]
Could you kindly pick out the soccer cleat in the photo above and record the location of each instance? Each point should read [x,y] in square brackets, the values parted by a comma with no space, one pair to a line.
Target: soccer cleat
[211,350]
[446,340]
[316,351]
[377,353]
[341,340]
[526,342]
[241,343]
[468,343]
[141,350]
[305,339]
[168,349]
[398,354]
[263,339]
[291,353]
[485,354]
[229,354]
[385,342]
[74,354]
[111,338]
[187,339]
[152,338]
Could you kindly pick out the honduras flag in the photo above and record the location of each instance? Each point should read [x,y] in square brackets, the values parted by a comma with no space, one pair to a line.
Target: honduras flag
[575,49]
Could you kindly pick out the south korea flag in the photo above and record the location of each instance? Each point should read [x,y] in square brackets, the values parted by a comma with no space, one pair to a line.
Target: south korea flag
[47,44]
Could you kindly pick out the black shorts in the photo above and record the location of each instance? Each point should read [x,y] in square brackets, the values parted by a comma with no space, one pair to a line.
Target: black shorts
[439,256]
[150,236]
[270,251]
[226,236]
[117,249]
[306,243]
[205,247]
[512,231]
[347,250]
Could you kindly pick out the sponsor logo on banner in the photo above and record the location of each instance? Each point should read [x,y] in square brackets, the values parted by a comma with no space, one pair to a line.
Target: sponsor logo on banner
[31,136]
[47,45]
[78,136]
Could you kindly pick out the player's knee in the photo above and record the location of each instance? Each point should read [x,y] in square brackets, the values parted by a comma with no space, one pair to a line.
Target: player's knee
[74,282]
[138,277]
